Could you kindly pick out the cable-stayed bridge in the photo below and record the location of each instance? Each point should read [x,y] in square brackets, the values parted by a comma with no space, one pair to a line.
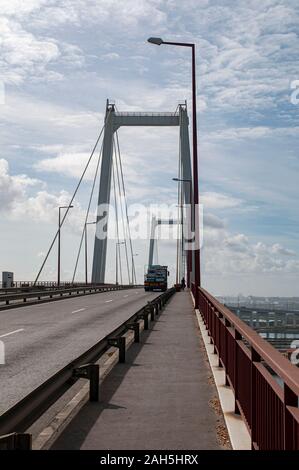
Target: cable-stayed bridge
[90,365]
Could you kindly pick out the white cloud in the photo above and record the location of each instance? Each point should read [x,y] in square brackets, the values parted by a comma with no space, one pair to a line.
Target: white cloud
[280,250]
[25,54]
[40,123]
[19,7]
[111,56]
[211,221]
[43,207]
[12,187]
[212,200]
[17,203]
[251,133]
[68,164]
[227,254]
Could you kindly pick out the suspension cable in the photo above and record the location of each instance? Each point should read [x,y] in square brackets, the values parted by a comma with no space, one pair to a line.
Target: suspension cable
[70,203]
[87,212]
[126,209]
[121,199]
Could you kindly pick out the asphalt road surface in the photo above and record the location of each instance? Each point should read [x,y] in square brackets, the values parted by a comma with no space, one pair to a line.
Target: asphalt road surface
[41,339]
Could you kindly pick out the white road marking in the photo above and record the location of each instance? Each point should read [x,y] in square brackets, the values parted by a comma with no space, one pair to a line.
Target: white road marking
[106,301]
[126,295]
[12,333]
[80,310]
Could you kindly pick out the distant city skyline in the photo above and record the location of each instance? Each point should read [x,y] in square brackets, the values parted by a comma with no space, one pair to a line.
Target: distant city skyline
[59,63]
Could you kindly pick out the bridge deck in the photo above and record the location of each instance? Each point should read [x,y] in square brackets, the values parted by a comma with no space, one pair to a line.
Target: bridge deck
[159,398]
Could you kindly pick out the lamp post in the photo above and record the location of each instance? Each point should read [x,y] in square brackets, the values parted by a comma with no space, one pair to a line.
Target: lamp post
[59,229]
[189,252]
[85,233]
[158,42]
[116,260]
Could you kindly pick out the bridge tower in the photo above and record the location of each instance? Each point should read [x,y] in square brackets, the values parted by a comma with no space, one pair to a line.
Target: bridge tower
[113,121]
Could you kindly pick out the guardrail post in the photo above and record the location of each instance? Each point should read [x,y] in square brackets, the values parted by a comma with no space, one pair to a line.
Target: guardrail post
[92,373]
[94,378]
[145,319]
[16,441]
[152,310]
[136,327]
[120,343]
[122,349]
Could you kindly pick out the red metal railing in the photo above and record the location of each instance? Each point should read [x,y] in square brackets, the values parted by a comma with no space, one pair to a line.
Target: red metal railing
[265,383]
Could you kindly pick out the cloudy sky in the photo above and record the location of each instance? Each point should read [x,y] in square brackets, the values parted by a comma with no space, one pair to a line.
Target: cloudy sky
[61,59]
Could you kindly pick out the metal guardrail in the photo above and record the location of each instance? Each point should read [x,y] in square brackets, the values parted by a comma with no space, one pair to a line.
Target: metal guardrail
[269,410]
[39,284]
[15,421]
[30,286]
[149,114]
[51,294]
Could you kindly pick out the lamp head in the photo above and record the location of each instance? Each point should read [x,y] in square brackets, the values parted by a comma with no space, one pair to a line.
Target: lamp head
[157,41]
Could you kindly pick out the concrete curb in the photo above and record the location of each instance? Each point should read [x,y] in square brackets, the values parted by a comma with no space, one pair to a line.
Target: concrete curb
[46,438]
[237,430]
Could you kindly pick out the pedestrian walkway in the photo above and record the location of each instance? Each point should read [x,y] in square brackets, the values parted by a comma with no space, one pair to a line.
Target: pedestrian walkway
[162,398]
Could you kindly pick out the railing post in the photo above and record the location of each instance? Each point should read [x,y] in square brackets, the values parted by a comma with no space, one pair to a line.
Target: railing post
[237,337]
[220,352]
[290,399]
[255,357]
[226,333]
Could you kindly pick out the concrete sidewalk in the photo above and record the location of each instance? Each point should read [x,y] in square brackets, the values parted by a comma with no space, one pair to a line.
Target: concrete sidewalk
[160,399]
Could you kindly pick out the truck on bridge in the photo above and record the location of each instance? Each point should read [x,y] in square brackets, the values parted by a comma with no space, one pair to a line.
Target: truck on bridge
[156,278]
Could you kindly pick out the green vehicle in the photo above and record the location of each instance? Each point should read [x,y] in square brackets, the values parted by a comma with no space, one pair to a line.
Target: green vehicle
[156,278]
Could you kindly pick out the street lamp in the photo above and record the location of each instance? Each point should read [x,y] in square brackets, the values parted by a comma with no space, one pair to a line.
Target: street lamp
[159,41]
[59,229]
[182,179]
[133,255]
[85,233]
[117,253]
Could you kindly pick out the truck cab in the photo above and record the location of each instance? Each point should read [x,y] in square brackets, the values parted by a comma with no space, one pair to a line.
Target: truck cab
[156,278]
